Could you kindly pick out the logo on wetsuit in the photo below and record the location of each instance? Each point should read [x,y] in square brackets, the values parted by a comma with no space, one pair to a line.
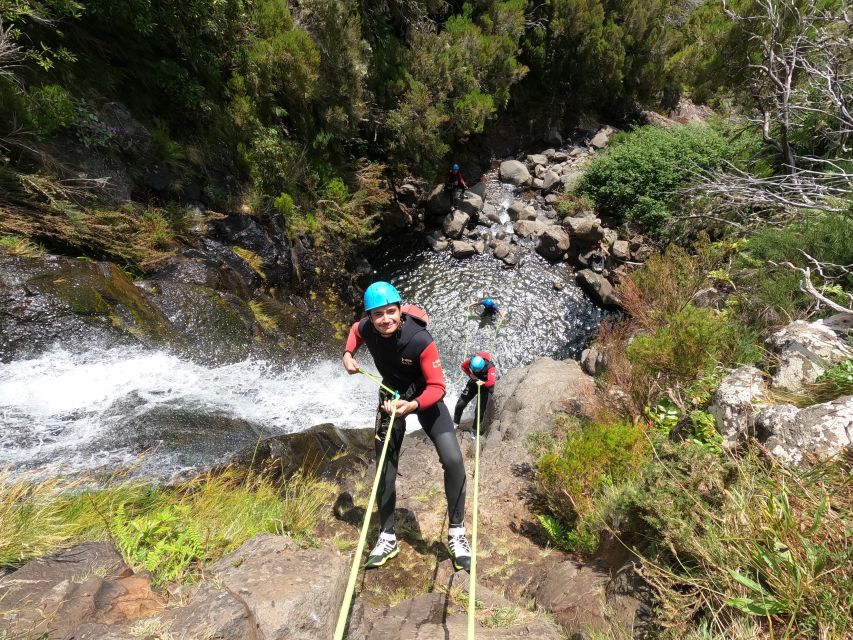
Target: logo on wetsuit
[406,361]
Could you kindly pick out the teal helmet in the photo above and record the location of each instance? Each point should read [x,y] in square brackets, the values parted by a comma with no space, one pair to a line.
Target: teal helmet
[379,294]
[477,364]
[455,166]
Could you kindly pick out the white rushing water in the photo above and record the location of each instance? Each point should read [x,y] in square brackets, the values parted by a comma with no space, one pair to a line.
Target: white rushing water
[66,406]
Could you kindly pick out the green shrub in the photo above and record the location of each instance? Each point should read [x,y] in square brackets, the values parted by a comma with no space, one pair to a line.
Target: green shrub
[574,476]
[637,178]
[691,343]
[53,108]
[771,294]
[734,541]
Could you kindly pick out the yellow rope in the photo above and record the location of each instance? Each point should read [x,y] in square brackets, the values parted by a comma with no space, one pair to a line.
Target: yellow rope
[472,576]
[362,538]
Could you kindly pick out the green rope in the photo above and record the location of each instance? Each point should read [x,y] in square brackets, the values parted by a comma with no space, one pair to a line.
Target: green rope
[472,576]
[362,538]
[378,380]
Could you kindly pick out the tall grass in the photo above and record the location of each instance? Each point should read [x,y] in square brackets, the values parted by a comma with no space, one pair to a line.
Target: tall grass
[172,531]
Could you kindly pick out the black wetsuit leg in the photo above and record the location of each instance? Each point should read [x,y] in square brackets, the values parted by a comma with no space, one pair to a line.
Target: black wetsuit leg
[387,491]
[468,393]
[438,426]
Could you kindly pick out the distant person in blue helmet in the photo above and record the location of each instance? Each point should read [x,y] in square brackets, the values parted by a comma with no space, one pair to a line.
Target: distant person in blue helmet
[489,306]
[480,369]
[406,355]
[454,179]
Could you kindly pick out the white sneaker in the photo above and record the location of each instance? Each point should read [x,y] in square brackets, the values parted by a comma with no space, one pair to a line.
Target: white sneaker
[385,549]
[460,550]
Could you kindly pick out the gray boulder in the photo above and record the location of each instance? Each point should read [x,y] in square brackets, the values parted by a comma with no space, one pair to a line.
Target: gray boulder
[470,203]
[602,137]
[822,430]
[598,288]
[454,223]
[585,600]
[479,189]
[437,244]
[213,613]
[514,172]
[570,179]
[462,249]
[550,181]
[490,212]
[280,586]
[620,250]
[553,243]
[593,361]
[803,351]
[507,252]
[515,210]
[734,404]
[529,228]
[585,229]
[535,159]
[439,202]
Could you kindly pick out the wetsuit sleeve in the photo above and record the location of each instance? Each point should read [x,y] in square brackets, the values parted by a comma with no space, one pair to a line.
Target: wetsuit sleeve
[434,376]
[491,376]
[466,366]
[354,340]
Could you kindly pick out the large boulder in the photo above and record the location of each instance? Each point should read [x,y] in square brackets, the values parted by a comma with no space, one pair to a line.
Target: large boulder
[602,137]
[570,179]
[734,404]
[515,173]
[550,181]
[507,252]
[490,212]
[518,210]
[593,361]
[88,583]
[280,585]
[620,250]
[586,603]
[439,202]
[802,351]
[585,229]
[821,430]
[598,288]
[529,228]
[213,613]
[536,159]
[470,203]
[454,223]
[462,249]
[553,243]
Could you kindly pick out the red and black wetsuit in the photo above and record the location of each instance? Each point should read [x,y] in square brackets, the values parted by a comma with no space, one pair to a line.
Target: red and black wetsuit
[409,363]
[487,375]
[454,180]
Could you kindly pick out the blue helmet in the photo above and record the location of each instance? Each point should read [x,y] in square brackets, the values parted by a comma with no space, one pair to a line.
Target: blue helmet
[379,294]
[489,303]
[455,167]
[477,364]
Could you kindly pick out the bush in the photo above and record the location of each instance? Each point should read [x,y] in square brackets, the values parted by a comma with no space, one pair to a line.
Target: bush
[736,541]
[574,476]
[691,344]
[771,295]
[52,109]
[639,175]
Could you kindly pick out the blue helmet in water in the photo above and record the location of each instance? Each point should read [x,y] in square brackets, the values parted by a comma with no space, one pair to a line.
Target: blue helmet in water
[477,364]
[455,167]
[489,304]
[379,294]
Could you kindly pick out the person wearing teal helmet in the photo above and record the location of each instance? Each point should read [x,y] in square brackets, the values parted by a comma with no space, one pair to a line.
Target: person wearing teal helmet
[482,373]
[405,354]
[489,306]
[454,180]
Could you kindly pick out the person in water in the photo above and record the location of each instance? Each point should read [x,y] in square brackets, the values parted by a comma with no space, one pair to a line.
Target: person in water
[489,307]
[482,373]
[406,355]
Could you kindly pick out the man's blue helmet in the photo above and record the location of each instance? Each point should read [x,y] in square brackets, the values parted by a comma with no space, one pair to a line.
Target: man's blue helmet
[477,364]
[379,294]
[455,167]
[489,303]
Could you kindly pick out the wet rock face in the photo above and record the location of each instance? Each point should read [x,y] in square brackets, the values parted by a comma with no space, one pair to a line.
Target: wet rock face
[64,300]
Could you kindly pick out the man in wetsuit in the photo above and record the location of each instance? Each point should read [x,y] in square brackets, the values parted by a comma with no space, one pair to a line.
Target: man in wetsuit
[405,354]
[480,369]
[489,306]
